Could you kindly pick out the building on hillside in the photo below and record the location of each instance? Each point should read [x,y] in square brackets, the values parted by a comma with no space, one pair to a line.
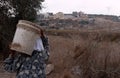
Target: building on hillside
[82,15]
[76,14]
[68,16]
[59,15]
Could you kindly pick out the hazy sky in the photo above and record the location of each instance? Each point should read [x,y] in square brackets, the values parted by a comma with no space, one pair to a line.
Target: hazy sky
[111,7]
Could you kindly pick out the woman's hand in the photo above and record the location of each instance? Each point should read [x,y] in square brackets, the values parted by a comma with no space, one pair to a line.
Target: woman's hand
[12,54]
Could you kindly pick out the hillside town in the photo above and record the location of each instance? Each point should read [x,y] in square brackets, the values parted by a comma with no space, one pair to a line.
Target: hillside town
[72,20]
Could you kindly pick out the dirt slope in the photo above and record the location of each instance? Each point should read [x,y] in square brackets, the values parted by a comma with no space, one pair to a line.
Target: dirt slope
[85,54]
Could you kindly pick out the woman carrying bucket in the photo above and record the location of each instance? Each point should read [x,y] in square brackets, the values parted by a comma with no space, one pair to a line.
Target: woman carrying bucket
[32,66]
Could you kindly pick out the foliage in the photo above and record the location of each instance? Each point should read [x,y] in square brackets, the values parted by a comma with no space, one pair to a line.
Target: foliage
[26,9]
[21,9]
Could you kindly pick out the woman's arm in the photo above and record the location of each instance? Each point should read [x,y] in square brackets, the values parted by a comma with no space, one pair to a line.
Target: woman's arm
[46,46]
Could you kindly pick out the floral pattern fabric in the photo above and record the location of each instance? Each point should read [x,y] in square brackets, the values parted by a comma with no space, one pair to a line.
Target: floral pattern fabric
[33,66]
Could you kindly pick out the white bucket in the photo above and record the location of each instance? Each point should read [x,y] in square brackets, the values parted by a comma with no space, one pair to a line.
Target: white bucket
[25,37]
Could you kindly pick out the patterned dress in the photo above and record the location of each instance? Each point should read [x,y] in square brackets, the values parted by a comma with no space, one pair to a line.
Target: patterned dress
[29,66]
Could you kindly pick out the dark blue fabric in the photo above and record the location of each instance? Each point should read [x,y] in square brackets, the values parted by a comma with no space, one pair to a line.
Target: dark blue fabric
[33,67]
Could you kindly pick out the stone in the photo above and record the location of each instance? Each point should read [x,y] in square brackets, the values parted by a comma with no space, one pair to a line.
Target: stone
[49,69]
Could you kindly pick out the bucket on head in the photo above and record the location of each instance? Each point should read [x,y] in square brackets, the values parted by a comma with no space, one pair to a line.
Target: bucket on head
[25,37]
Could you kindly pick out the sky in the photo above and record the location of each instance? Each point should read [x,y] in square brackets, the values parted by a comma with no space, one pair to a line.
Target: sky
[106,7]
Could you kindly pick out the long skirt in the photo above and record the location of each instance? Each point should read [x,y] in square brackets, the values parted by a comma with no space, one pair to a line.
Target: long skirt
[30,66]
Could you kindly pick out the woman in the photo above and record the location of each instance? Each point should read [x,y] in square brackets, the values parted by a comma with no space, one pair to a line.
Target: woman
[31,66]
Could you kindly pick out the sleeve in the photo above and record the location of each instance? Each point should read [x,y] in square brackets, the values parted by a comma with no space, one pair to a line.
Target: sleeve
[46,47]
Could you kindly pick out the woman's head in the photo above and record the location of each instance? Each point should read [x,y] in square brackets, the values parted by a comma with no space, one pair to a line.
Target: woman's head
[42,33]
